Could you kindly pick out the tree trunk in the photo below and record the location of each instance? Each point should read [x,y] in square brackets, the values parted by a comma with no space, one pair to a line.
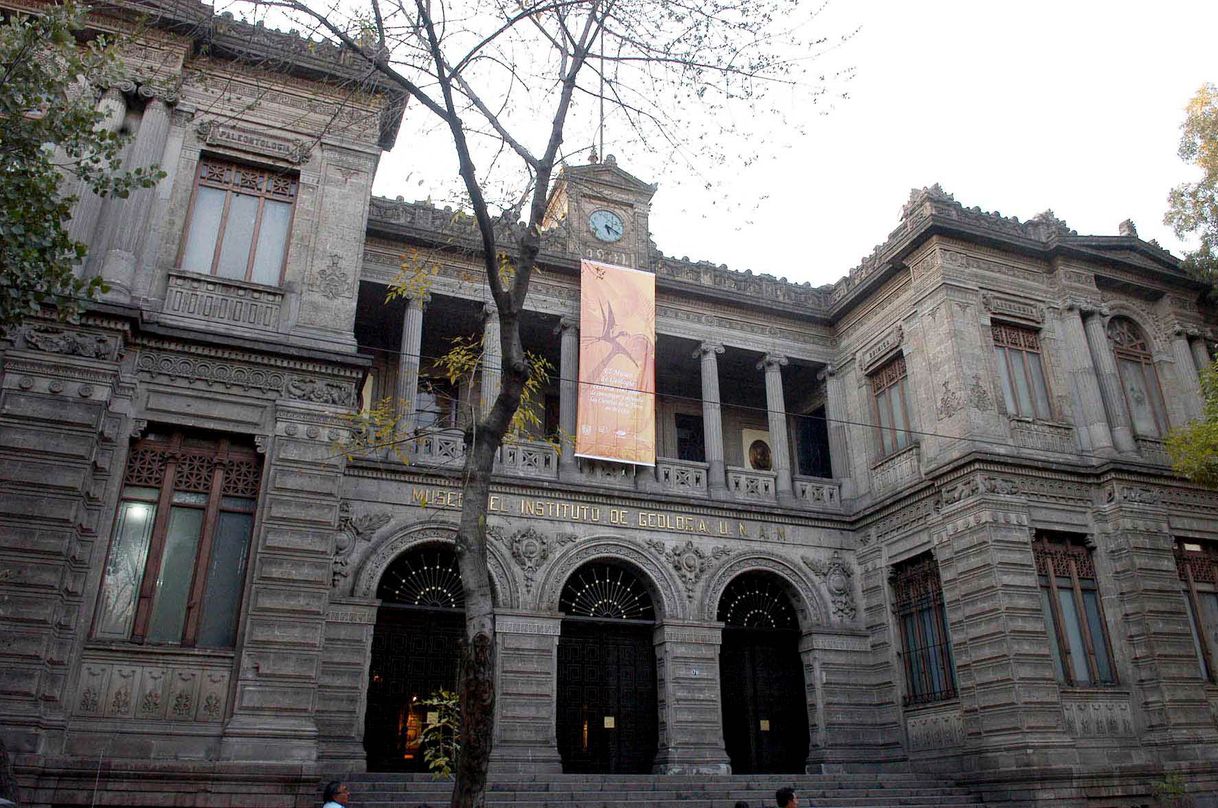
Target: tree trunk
[8,786]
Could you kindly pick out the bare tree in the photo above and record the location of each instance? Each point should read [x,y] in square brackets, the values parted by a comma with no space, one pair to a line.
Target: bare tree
[505,78]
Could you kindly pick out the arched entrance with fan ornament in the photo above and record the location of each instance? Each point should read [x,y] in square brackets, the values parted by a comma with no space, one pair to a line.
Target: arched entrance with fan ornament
[765,712]
[606,706]
[415,652]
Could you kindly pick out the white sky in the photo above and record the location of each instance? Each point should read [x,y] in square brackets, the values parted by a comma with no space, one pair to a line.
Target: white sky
[1073,105]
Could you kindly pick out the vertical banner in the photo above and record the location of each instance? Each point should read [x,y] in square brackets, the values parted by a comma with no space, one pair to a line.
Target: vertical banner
[617,372]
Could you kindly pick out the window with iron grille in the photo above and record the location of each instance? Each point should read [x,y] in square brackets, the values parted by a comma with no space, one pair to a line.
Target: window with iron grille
[1070,599]
[181,540]
[1197,564]
[239,222]
[926,647]
[889,401]
[1024,388]
[1139,380]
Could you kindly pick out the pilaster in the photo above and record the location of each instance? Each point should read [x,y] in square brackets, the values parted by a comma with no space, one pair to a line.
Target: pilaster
[1150,617]
[342,688]
[492,359]
[1088,402]
[690,713]
[1186,374]
[526,661]
[1109,382]
[837,415]
[1009,698]
[281,641]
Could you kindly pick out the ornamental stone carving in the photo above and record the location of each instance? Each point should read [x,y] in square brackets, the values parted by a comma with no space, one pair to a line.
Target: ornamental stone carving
[319,391]
[689,560]
[975,486]
[70,343]
[1135,495]
[351,532]
[836,575]
[530,548]
[978,396]
[949,403]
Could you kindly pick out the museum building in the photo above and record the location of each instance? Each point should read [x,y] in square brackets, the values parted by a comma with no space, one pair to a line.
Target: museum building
[919,519]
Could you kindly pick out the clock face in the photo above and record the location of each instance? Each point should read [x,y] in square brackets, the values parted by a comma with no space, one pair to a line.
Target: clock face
[606,225]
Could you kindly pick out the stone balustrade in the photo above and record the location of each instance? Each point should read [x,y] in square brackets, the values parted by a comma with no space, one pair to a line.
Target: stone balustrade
[753,486]
[896,469]
[445,449]
[1046,437]
[818,492]
[535,459]
[682,476]
[223,301]
[1152,451]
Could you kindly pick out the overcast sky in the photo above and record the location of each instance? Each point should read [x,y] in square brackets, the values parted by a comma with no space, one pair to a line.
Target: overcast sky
[1071,105]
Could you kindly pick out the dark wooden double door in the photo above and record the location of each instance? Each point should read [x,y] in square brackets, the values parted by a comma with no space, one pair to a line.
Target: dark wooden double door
[415,652]
[606,705]
[765,713]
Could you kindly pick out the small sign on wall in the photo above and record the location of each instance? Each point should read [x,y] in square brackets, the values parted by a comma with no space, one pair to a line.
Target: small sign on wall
[610,722]
[765,725]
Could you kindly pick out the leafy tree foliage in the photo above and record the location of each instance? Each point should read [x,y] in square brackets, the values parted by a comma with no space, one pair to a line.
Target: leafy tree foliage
[1194,449]
[1193,206]
[51,148]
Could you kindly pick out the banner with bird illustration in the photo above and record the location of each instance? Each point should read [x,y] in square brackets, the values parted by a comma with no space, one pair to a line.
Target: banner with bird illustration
[617,370]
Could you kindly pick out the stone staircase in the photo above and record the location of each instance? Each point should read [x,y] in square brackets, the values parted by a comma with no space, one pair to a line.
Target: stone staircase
[852,790]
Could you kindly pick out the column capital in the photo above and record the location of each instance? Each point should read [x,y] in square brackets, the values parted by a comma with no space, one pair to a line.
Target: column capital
[489,310]
[1085,307]
[772,361]
[566,323]
[827,372]
[708,348]
[1184,330]
[415,298]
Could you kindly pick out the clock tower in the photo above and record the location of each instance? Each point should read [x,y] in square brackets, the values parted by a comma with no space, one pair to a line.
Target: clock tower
[606,210]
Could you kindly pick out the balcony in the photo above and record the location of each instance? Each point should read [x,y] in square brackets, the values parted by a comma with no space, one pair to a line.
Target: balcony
[534,459]
[751,486]
[686,477]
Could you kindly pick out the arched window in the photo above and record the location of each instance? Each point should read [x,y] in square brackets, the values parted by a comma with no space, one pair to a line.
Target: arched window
[606,591]
[427,577]
[1139,381]
[756,600]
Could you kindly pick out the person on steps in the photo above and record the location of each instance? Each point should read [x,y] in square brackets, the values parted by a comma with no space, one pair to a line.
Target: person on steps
[335,794]
[785,798]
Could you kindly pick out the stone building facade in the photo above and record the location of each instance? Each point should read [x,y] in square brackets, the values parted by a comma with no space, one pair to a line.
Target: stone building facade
[965,552]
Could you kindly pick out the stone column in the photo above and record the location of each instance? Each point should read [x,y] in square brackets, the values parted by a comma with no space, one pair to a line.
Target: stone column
[1110,383]
[408,361]
[113,107]
[1186,373]
[568,391]
[777,410]
[131,223]
[1088,403]
[526,661]
[712,417]
[492,359]
[690,714]
[836,417]
[1201,354]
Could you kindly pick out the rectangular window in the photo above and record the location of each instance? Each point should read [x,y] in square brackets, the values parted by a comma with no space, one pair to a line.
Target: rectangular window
[240,218]
[1070,600]
[691,440]
[930,670]
[181,542]
[812,444]
[1197,564]
[889,397]
[1023,374]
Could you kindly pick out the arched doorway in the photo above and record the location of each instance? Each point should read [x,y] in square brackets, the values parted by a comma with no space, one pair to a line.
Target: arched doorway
[415,652]
[765,711]
[606,707]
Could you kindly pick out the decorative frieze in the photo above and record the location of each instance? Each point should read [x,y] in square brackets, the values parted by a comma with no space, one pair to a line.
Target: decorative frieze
[70,343]
[320,391]
[896,469]
[1045,437]
[976,485]
[1132,495]
[1152,451]
[222,301]
[938,728]
[173,692]
[1098,717]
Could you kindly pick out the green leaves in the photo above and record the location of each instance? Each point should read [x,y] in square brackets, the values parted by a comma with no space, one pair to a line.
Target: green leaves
[1193,206]
[49,144]
[1194,449]
[441,747]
